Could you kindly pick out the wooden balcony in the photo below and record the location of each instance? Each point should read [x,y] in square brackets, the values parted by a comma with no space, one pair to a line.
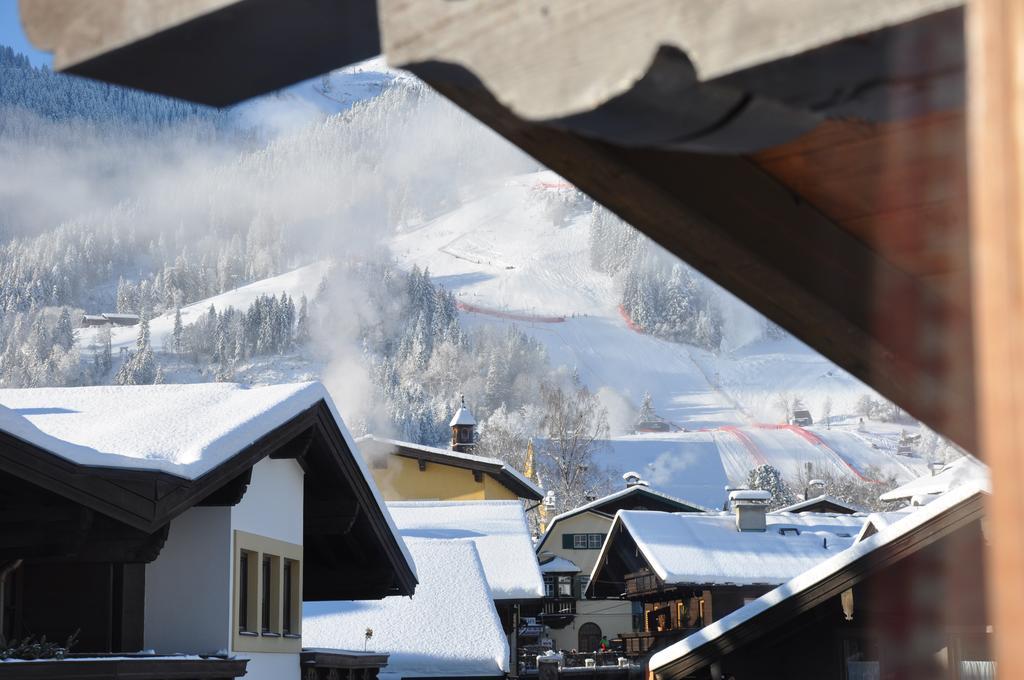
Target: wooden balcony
[638,644]
[641,583]
[124,666]
[559,605]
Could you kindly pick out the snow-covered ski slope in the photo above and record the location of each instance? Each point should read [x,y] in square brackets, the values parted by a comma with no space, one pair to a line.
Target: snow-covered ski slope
[502,255]
[296,283]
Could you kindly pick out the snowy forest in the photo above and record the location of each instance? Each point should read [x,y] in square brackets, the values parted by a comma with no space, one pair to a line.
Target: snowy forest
[661,295]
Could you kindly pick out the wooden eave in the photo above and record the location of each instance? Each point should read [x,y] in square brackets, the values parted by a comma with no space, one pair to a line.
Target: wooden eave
[344,527]
[776,617]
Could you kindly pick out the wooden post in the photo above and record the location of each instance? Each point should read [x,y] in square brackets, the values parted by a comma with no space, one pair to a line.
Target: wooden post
[995,49]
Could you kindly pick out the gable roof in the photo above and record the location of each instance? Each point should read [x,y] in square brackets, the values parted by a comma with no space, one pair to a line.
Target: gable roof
[512,479]
[707,549]
[498,529]
[822,504]
[142,455]
[637,496]
[913,532]
[965,470]
[426,635]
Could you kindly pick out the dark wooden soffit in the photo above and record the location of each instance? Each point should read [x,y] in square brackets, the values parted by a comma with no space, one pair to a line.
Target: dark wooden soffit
[777,616]
[215,52]
[621,557]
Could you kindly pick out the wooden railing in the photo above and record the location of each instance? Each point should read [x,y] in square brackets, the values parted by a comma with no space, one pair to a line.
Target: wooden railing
[638,644]
[559,605]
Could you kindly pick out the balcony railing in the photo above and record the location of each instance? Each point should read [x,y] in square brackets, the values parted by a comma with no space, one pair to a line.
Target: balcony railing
[137,667]
[641,643]
[559,605]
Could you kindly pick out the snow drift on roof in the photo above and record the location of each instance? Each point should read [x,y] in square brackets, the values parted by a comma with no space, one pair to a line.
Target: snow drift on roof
[966,470]
[497,528]
[184,430]
[559,565]
[815,575]
[706,548]
[448,628]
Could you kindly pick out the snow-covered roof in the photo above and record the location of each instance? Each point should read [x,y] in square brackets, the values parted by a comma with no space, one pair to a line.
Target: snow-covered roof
[966,470]
[497,528]
[749,495]
[183,430]
[462,417]
[595,505]
[706,548]
[448,628]
[120,317]
[559,565]
[815,575]
[811,502]
[455,457]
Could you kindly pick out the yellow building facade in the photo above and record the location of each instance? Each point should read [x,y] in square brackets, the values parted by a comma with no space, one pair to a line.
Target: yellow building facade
[408,472]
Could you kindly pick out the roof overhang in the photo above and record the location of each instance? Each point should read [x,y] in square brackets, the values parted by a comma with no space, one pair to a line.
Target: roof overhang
[350,550]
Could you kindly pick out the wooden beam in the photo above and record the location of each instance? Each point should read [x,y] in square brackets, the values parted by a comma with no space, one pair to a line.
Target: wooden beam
[216,52]
[547,60]
[995,40]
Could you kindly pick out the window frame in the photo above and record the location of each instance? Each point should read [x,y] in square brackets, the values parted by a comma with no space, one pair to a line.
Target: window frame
[265,600]
[580,541]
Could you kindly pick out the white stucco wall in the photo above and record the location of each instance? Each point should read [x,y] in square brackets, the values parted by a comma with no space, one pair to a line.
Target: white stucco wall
[189,586]
[188,601]
[611,616]
[271,507]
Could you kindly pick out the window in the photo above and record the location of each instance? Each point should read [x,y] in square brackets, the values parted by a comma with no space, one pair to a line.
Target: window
[291,597]
[549,586]
[565,586]
[583,541]
[246,593]
[268,594]
[584,582]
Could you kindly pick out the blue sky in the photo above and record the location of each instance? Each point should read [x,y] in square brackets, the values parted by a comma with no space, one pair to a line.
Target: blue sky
[12,35]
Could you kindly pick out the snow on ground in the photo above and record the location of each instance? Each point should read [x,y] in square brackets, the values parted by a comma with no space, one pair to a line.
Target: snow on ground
[425,635]
[497,528]
[703,548]
[296,283]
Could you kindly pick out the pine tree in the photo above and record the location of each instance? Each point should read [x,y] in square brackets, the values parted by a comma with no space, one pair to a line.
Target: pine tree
[64,332]
[178,333]
[647,408]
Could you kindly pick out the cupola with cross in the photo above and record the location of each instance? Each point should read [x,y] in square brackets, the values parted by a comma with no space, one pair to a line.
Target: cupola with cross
[463,425]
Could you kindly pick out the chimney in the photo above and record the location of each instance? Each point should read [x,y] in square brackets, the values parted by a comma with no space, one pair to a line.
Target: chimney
[633,479]
[751,508]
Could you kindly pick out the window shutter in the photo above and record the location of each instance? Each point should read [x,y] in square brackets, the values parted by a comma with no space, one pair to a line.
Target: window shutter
[567,540]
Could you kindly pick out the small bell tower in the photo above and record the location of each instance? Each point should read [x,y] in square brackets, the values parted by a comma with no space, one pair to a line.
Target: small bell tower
[463,429]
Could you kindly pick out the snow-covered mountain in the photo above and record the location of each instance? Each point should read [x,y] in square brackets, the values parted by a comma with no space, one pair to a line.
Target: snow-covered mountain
[509,263]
